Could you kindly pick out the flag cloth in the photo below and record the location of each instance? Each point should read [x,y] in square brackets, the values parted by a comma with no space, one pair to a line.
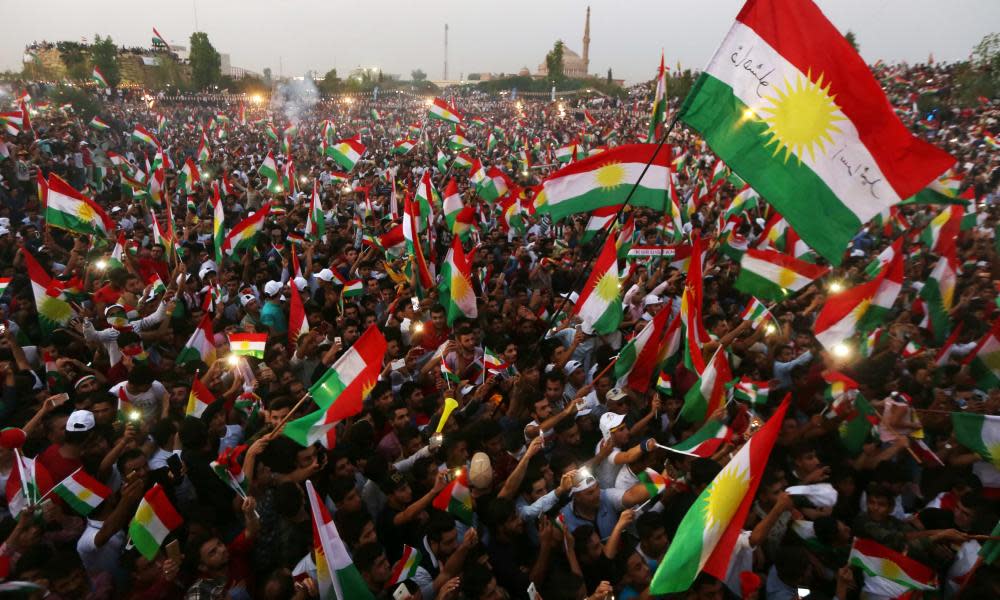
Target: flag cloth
[706,536]
[139,134]
[857,428]
[600,306]
[201,345]
[706,441]
[456,498]
[458,216]
[269,170]
[340,392]
[244,234]
[770,275]
[664,385]
[654,482]
[750,391]
[813,124]
[227,467]
[82,492]
[606,179]
[450,377]
[659,112]
[494,185]
[50,302]
[457,294]
[97,77]
[878,561]
[248,344]
[199,398]
[984,360]
[600,219]
[298,323]
[938,292]
[315,227]
[402,146]
[346,153]
[218,225]
[891,283]
[406,567]
[337,575]
[979,433]
[838,319]
[710,391]
[442,111]
[757,314]
[943,228]
[98,124]
[28,482]
[638,359]
[153,521]
[67,208]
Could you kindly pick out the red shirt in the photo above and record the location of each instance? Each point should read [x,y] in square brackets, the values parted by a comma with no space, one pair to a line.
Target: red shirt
[148,266]
[430,339]
[107,295]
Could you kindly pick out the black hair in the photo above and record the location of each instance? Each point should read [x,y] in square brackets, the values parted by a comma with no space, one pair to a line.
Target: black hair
[365,556]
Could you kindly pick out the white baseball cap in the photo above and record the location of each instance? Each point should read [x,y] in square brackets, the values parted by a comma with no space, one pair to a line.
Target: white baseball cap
[571,296]
[571,366]
[615,394]
[300,283]
[80,420]
[272,288]
[651,299]
[325,275]
[246,299]
[609,421]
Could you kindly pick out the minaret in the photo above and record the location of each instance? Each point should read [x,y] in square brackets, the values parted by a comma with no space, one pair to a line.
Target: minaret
[586,44]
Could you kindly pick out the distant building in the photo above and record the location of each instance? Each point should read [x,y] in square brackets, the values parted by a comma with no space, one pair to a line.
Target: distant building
[574,65]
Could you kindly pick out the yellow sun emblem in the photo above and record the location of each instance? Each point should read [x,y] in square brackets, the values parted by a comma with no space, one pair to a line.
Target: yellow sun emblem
[786,277]
[607,287]
[801,117]
[725,495]
[610,175]
[85,212]
[861,308]
[890,570]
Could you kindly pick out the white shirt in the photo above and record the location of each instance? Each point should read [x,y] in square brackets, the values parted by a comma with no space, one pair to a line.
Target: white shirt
[104,559]
[149,402]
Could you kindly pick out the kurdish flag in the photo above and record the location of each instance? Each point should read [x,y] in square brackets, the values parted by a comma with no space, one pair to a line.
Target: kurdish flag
[403,146]
[841,313]
[442,111]
[201,345]
[659,113]
[346,153]
[769,274]
[639,358]
[269,170]
[757,314]
[458,216]
[341,390]
[315,227]
[98,124]
[793,110]
[353,288]
[664,385]
[706,536]
[218,224]
[606,179]
[600,219]
[456,498]
[248,344]
[4,283]
[943,228]
[28,483]
[979,433]
[82,492]
[750,391]
[242,236]
[335,571]
[600,306]
[98,78]
[885,563]
[406,567]
[457,295]
[938,292]
[140,134]
[706,441]
[199,398]
[494,185]
[984,360]
[654,482]
[298,323]
[891,283]
[50,303]
[153,522]
[67,208]
[710,391]
[158,39]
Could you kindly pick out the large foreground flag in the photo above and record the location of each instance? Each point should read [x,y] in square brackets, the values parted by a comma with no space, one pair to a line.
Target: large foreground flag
[878,561]
[67,208]
[793,110]
[769,274]
[605,179]
[153,521]
[50,303]
[341,390]
[706,537]
[457,295]
[337,576]
[600,306]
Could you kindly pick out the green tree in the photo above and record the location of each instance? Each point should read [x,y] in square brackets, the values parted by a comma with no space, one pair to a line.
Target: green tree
[166,73]
[554,62]
[75,59]
[330,84]
[104,55]
[267,74]
[418,75]
[852,40]
[206,64]
[611,78]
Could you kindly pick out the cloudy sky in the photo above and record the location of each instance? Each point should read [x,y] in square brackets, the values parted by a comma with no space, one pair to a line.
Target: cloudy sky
[502,36]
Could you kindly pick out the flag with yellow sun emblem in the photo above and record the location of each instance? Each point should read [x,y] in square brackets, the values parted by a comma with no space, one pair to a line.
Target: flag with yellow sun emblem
[600,304]
[67,208]
[708,533]
[340,392]
[605,179]
[793,110]
[770,274]
[457,295]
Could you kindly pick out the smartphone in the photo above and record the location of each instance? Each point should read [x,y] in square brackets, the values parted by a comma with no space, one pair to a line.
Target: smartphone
[338,340]
[174,551]
[397,364]
[415,302]
[60,399]
[175,465]
[401,593]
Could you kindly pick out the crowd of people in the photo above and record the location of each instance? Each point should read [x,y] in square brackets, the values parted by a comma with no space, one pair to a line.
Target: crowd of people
[555,452]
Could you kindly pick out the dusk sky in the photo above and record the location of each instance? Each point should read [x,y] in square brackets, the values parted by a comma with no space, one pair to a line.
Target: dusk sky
[402,35]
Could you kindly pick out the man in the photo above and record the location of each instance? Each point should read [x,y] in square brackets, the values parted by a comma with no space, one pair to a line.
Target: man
[60,460]
[591,505]
[272,315]
[435,332]
[224,569]
[374,567]
[143,392]
[399,419]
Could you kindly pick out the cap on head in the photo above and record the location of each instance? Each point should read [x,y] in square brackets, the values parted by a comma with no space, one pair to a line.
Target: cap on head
[610,421]
[80,420]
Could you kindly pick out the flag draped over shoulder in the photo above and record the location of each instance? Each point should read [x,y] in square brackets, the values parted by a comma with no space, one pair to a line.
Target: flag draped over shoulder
[793,110]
